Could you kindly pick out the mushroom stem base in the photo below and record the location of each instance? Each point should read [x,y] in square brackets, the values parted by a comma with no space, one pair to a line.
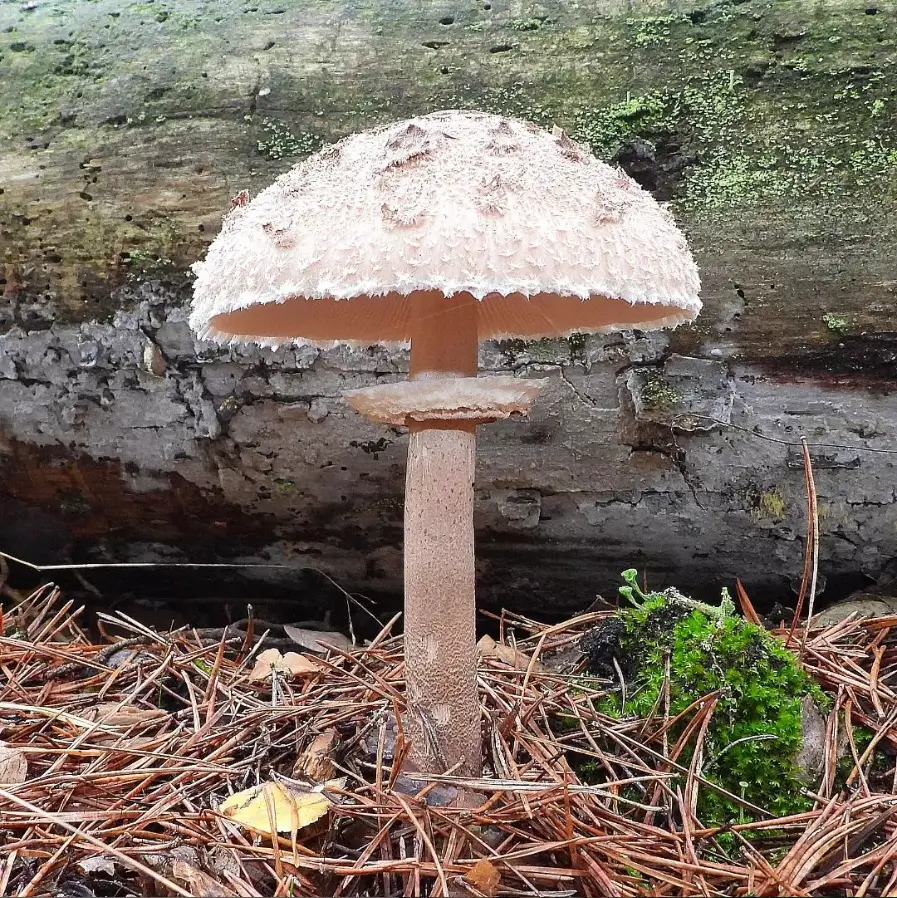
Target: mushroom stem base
[443,718]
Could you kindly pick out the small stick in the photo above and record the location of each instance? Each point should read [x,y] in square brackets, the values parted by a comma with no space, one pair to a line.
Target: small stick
[811,556]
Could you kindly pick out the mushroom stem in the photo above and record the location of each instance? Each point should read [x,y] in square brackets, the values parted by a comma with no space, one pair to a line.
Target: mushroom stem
[443,719]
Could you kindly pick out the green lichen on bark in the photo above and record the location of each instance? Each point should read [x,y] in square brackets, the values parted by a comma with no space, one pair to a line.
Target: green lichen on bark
[750,113]
[837,324]
[654,391]
[727,107]
[277,141]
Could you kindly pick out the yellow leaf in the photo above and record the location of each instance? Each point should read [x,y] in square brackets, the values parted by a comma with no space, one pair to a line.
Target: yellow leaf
[483,877]
[289,810]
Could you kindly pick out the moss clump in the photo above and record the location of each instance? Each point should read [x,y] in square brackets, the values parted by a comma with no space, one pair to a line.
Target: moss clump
[838,324]
[738,107]
[655,392]
[526,24]
[755,731]
[606,128]
[284,487]
[578,343]
[769,505]
[654,31]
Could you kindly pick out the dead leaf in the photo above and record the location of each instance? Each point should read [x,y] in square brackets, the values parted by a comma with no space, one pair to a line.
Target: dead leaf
[316,762]
[291,664]
[312,640]
[116,715]
[483,877]
[225,861]
[13,765]
[127,655]
[290,809]
[164,863]
[201,884]
[97,863]
[489,648]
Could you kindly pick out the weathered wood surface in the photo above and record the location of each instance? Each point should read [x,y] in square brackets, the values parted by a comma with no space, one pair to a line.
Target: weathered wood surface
[126,127]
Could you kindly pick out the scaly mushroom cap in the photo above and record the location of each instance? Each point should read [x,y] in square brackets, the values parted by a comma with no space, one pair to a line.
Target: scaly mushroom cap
[551,240]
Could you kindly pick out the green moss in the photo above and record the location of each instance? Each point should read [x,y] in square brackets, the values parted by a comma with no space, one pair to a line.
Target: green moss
[752,125]
[577,344]
[716,120]
[283,487]
[770,505]
[654,31]
[530,24]
[605,129]
[141,262]
[655,392]
[746,104]
[512,349]
[838,324]
[755,731]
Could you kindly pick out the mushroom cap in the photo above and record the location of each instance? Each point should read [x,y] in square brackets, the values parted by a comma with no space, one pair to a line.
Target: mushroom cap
[550,239]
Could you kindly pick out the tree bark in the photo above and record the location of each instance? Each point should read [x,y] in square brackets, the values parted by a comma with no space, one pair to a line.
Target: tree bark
[126,129]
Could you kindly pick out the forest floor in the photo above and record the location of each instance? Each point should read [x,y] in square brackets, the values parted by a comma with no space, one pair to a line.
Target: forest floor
[219,763]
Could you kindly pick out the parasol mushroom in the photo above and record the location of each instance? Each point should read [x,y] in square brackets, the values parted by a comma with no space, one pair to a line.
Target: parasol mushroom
[442,231]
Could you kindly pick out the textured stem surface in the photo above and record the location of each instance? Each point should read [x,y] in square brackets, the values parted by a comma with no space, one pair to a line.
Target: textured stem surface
[443,719]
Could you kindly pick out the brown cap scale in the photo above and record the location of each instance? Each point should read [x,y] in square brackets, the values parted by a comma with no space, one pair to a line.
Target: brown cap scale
[442,231]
